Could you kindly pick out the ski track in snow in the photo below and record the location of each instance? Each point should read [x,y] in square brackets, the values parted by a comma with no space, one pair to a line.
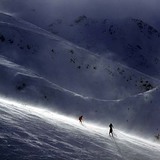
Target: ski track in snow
[36,133]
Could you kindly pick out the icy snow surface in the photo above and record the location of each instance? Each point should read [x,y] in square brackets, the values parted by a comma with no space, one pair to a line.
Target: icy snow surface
[34,133]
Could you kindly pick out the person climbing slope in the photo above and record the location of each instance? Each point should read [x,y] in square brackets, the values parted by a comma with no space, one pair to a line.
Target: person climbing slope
[111,129]
[80,119]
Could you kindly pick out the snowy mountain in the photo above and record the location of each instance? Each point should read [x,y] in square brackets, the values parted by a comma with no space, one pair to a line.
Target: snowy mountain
[42,68]
[106,69]
[122,40]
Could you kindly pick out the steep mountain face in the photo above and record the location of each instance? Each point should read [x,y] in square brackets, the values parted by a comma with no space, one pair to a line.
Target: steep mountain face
[68,65]
[129,41]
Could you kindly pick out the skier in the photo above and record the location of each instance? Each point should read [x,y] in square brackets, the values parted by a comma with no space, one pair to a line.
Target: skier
[80,119]
[111,129]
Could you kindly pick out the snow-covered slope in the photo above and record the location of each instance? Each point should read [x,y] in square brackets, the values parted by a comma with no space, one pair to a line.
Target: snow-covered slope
[42,68]
[68,65]
[130,41]
[31,133]
[105,69]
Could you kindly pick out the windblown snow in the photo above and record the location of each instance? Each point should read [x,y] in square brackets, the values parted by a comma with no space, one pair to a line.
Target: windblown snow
[31,133]
[60,61]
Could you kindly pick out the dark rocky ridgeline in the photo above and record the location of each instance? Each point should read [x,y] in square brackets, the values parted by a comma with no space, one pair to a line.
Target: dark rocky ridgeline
[21,86]
[80,19]
[144,27]
[2,38]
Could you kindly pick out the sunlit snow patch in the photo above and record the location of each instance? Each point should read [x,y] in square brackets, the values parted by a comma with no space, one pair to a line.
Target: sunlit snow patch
[88,127]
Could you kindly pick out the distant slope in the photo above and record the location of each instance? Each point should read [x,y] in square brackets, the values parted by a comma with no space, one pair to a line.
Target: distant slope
[68,65]
[130,41]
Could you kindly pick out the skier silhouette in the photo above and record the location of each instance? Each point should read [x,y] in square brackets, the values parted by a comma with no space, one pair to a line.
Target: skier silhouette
[111,129]
[80,119]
